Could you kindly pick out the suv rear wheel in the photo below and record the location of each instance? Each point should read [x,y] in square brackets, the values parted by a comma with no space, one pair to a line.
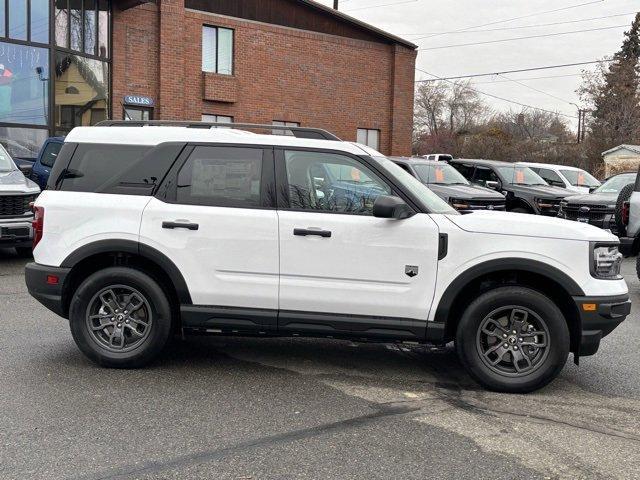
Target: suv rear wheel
[513,339]
[120,317]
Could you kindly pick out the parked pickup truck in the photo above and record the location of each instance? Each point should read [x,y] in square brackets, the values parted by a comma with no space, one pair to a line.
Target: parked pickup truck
[449,184]
[16,195]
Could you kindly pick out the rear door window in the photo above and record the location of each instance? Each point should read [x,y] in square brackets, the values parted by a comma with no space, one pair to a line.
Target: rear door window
[225,177]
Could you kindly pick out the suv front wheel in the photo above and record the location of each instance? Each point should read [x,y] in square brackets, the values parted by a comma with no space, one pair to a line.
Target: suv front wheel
[513,339]
[120,317]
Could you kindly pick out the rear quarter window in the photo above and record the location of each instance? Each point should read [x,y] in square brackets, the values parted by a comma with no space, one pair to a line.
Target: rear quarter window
[121,169]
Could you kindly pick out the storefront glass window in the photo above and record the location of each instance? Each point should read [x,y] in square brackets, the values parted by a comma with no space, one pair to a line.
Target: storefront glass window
[81,91]
[90,27]
[40,21]
[103,28]
[62,23]
[2,18]
[75,25]
[24,95]
[18,19]
[23,142]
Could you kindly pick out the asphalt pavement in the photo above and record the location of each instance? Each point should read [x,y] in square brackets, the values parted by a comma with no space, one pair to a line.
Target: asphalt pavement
[238,408]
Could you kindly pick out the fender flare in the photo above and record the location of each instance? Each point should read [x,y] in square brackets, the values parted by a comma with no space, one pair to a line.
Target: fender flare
[135,248]
[503,264]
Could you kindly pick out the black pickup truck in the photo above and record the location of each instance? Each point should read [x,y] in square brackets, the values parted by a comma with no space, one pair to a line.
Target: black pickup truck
[524,190]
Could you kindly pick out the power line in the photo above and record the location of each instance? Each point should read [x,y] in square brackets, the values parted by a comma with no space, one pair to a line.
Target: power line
[521,38]
[530,78]
[513,71]
[525,16]
[428,35]
[499,98]
[537,90]
[381,5]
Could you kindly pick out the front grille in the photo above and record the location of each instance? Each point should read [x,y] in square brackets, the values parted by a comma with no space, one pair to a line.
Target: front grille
[497,204]
[15,205]
[596,213]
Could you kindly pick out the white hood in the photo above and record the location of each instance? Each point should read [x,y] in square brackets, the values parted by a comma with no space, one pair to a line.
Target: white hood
[506,223]
[15,182]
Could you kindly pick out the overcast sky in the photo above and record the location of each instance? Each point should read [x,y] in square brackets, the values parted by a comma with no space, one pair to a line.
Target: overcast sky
[423,17]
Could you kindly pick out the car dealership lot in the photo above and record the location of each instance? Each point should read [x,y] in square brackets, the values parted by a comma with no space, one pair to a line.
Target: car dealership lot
[292,408]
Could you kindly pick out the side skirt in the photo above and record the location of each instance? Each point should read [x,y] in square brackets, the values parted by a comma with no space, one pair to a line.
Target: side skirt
[197,319]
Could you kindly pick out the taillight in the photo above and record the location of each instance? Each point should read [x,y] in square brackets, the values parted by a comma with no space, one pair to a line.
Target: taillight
[625,213]
[38,224]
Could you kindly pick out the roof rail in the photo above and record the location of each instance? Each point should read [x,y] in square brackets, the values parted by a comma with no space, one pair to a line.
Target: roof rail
[299,132]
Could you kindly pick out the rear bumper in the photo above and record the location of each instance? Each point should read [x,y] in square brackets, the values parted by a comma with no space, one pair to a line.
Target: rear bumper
[16,232]
[42,286]
[599,316]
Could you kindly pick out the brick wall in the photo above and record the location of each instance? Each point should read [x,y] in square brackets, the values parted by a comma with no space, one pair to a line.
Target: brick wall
[316,79]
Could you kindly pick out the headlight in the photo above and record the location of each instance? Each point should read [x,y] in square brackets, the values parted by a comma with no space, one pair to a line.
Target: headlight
[606,262]
[459,204]
[544,203]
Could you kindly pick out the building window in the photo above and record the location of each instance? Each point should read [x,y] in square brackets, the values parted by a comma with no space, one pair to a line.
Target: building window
[217,119]
[217,50]
[284,124]
[82,25]
[81,91]
[27,20]
[369,137]
[138,113]
[24,84]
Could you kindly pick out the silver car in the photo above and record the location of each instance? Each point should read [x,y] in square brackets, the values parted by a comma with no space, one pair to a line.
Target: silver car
[16,195]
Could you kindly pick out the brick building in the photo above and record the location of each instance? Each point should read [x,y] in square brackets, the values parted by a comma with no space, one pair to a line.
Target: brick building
[283,62]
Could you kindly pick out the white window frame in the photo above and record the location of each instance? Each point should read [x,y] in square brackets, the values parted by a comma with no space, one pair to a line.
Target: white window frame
[369,137]
[213,118]
[216,50]
[282,123]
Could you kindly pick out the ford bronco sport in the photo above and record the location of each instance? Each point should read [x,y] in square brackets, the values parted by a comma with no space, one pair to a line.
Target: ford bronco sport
[150,230]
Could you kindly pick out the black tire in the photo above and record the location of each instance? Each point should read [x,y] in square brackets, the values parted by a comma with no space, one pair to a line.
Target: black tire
[157,315]
[539,308]
[24,252]
[638,266]
[520,210]
[623,196]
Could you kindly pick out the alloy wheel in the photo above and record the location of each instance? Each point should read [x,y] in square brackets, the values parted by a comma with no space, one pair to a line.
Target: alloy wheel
[119,318]
[513,341]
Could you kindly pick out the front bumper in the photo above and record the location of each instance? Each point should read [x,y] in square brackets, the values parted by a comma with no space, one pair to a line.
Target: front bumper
[599,316]
[16,232]
[45,284]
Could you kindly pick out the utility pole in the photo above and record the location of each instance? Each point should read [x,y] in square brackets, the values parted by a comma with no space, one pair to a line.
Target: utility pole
[335,4]
[579,125]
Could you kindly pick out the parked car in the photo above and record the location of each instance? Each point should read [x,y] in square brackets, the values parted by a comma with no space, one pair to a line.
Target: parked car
[446,182]
[146,231]
[572,178]
[525,191]
[45,161]
[16,195]
[597,208]
[438,157]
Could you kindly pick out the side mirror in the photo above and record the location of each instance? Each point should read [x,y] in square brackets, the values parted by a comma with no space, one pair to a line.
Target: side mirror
[556,183]
[25,169]
[592,189]
[493,185]
[387,206]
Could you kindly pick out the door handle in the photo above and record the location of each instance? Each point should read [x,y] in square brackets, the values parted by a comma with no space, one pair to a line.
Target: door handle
[304,232]
[174,225]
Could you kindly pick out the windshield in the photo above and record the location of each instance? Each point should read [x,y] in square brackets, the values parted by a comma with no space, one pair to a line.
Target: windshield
[521,176]
[615,184]
[433,202]
[580,178]
[443,174]
[6,163]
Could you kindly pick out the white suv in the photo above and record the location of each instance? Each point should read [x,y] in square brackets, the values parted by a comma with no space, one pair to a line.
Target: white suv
[573,179]
[147,231]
